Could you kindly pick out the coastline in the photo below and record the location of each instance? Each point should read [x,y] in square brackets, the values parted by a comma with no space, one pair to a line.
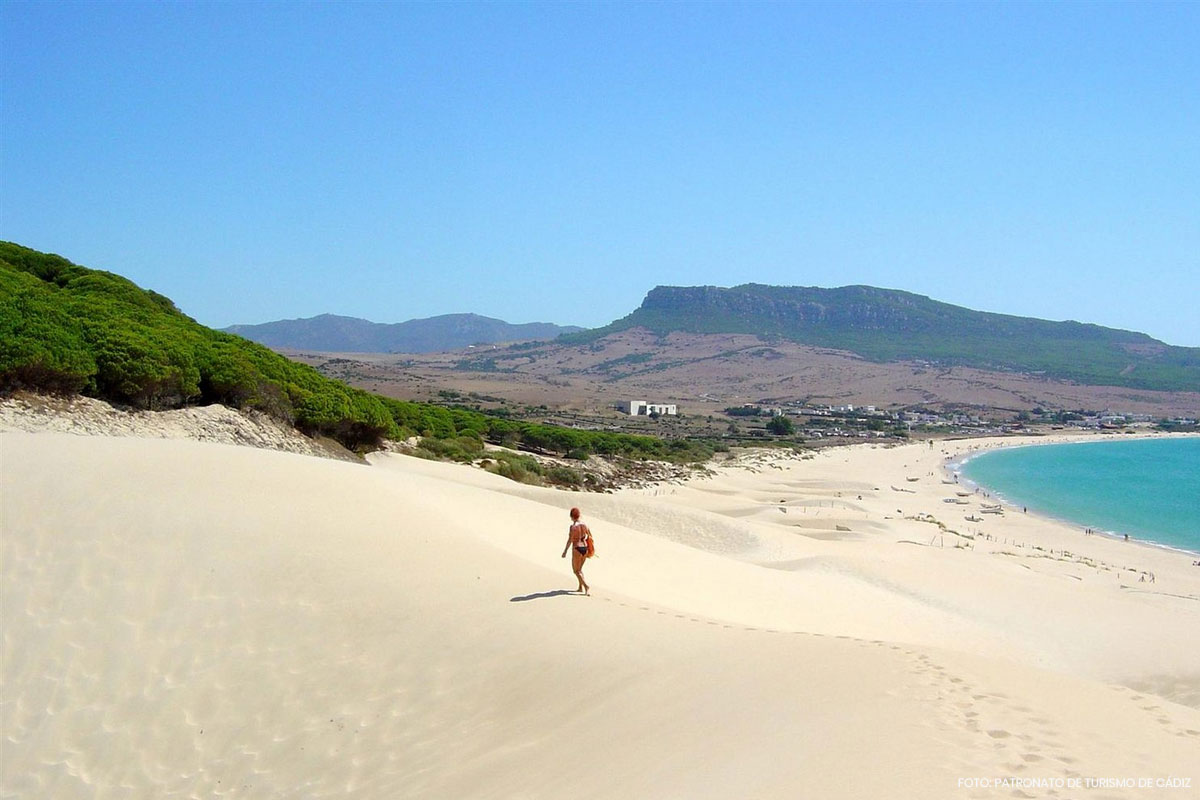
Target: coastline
[955,468]
[858,504]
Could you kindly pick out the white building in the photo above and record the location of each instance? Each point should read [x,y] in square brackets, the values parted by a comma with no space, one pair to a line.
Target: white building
[640,408]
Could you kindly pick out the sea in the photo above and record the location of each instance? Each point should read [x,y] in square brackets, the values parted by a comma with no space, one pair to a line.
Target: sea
[1148,489]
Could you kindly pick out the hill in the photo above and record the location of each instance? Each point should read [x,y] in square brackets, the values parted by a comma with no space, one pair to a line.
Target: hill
[330,333]
[886,325]
[68,329]
[704,372]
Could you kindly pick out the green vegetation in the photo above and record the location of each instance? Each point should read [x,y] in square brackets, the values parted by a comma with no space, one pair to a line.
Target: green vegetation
[1177,425]
[526,469]
[65,328]
[514,466]
[781,426]
[68,329]
[463,449]
[887,325]
[481,364]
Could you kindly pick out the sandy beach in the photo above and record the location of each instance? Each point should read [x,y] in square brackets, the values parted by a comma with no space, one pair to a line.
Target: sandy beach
[192,619]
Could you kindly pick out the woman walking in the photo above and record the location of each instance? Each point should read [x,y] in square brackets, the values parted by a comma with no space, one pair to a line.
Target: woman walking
[579,542]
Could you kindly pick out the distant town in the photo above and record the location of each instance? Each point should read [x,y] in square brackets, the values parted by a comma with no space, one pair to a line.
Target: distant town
[819,424]
[818,421]
[866,421]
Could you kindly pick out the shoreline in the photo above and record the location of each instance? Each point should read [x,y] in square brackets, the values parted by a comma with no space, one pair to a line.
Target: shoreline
[846,508]
[953,467]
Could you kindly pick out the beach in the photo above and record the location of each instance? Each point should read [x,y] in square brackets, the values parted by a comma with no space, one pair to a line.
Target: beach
[198,619]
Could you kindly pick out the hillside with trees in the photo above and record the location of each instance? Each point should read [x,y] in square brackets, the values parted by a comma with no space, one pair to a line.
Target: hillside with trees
[68,329]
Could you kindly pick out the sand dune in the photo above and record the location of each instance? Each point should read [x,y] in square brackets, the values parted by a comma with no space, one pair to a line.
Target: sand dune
[196,620]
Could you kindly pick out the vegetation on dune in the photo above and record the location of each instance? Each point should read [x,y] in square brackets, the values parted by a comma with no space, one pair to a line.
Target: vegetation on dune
[69,329]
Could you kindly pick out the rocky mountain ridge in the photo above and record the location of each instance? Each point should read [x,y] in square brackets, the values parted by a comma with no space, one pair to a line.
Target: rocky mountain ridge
[887,325]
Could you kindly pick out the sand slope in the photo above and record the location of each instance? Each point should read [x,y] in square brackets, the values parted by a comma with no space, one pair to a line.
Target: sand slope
[197,620]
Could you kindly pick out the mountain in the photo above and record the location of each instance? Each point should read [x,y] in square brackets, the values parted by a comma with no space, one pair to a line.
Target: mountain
[886,325]
[333,334]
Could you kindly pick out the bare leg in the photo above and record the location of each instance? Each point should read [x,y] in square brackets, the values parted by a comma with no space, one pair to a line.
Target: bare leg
[577,559]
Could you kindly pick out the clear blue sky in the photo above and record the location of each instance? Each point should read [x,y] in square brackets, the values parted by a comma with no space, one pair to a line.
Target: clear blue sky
[555,161]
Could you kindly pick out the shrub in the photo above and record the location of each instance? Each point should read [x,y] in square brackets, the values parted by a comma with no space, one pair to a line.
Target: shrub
[41,345]
[564,476]
[463,449]
[781,426]
[514,466]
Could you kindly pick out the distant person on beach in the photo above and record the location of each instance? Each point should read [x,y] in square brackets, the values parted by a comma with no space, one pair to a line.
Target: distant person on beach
[579,542]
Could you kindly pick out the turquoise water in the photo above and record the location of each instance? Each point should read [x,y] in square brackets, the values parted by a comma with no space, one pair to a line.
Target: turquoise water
[1147,488]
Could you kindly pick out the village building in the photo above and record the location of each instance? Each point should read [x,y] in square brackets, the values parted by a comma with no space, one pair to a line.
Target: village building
[640,408]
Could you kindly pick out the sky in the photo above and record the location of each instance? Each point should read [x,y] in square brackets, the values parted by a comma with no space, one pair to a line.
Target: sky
[553,162]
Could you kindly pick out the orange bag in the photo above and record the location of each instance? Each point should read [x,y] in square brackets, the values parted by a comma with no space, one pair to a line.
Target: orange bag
[591,547]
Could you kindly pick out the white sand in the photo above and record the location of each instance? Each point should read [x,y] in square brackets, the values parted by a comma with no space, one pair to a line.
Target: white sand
[184,619]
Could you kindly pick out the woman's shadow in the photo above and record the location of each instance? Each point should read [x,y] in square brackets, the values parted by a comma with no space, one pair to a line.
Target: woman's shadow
[540,595]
